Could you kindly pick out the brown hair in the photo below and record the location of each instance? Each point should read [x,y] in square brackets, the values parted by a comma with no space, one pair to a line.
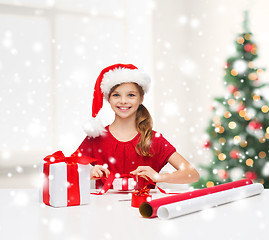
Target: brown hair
[143,124]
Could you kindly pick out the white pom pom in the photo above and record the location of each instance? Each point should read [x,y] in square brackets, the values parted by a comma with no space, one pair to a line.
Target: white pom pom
[94,128]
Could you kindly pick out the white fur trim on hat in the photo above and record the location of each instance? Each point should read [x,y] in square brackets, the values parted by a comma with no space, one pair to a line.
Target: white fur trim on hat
[124,75]
[94,127]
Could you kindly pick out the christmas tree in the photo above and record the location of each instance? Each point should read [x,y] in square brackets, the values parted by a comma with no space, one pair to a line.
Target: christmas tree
[238,134]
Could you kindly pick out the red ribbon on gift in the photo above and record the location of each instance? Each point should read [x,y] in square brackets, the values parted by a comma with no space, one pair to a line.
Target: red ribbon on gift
[110,179]
[73,192]
[140,196]
[125,183]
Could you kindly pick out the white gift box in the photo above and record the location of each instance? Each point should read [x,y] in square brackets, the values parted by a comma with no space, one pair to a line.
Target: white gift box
[118,183]
[58,185]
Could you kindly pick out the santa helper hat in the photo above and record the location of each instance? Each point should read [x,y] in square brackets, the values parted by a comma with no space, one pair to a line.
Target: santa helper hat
[108,78]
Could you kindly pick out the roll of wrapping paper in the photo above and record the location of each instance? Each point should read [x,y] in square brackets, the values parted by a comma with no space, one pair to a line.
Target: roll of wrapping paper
[181,208]
[149,209]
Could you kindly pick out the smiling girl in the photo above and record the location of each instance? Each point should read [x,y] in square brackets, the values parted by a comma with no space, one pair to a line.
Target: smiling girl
[129,145]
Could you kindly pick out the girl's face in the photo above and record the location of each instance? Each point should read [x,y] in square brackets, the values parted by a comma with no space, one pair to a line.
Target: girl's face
[125,100]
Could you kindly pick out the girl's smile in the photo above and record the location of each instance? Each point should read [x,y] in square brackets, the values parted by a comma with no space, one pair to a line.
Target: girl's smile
[123,109]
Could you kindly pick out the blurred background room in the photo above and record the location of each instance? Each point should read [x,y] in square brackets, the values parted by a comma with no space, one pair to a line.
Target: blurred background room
[52,51]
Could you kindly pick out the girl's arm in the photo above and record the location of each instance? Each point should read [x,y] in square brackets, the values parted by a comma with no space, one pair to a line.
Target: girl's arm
[185,172]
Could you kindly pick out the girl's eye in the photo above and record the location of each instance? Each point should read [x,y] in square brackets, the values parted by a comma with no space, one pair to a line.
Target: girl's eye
[115,95]
[131,95]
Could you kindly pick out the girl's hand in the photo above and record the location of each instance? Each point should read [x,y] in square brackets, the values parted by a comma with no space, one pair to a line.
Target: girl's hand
[147,172]
[98,171]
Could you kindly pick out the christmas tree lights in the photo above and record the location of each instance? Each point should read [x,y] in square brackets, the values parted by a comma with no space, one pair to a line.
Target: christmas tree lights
[238,134]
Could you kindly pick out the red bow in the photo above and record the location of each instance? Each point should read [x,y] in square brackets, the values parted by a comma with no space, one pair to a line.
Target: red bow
[142,192]
[76,157]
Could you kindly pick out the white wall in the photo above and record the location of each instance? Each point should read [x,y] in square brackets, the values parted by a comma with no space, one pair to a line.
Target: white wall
[51,55]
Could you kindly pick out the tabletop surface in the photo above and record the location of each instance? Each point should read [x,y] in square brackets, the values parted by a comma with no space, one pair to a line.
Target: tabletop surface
[22,216]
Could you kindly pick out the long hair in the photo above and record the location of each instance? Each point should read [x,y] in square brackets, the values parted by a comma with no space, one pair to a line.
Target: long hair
[143,124]
[144,127]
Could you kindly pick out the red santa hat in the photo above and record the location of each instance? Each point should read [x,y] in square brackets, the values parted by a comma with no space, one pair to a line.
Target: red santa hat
[108,78]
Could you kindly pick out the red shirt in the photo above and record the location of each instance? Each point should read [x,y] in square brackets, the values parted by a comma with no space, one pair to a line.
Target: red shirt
[122,158]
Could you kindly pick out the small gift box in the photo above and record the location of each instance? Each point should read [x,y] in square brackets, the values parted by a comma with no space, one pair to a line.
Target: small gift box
[125,184]
[66,179]
[140,196]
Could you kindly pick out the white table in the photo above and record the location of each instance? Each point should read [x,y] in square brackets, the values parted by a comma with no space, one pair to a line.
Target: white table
[23,217]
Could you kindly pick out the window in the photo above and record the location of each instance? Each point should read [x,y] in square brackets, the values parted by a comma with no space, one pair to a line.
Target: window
[51,54]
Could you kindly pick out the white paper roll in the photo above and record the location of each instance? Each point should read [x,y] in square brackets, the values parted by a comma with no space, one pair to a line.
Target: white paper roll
[178,209]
